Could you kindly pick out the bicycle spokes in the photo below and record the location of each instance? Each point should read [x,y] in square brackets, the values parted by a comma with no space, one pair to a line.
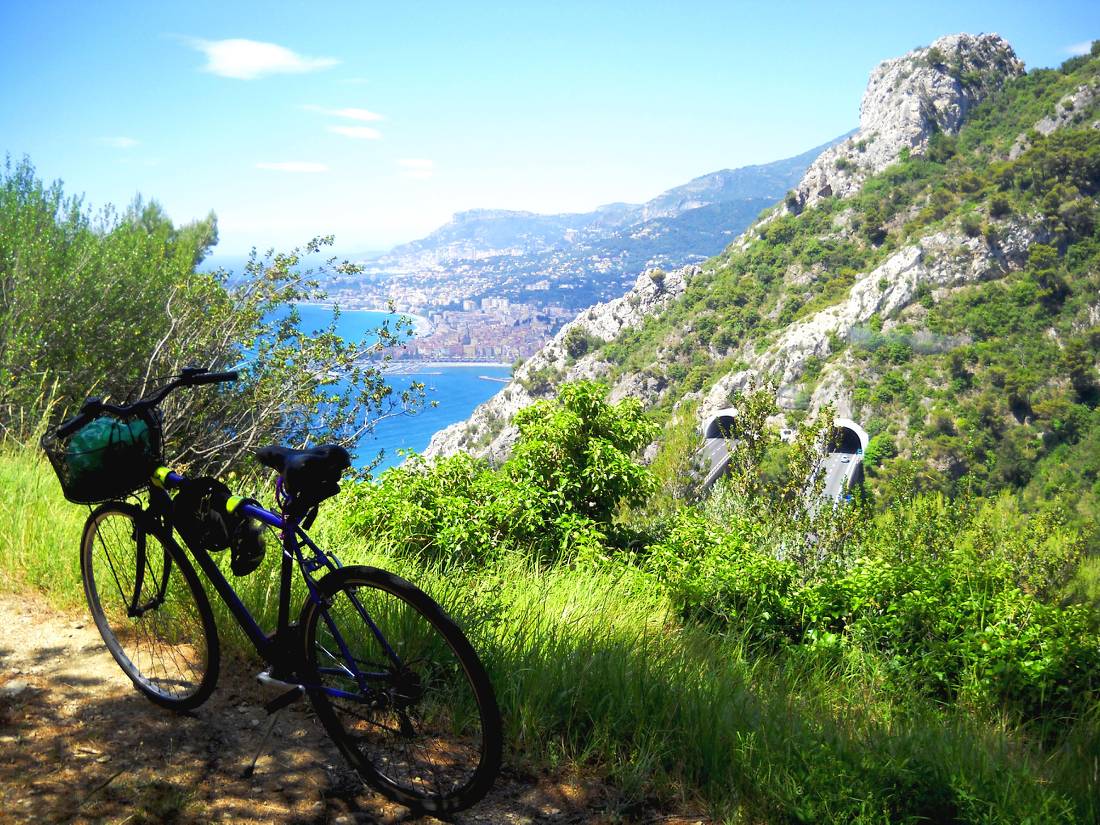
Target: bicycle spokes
[149,615]
[403,698]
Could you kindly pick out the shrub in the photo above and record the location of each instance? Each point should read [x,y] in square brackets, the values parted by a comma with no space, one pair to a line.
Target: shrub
[938,590]
[1000,206]
[576,449]
[554,498]
[98,303]
[577,342]
[879,448]
[971,225]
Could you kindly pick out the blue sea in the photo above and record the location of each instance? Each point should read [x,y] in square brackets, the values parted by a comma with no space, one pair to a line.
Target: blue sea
[457,390]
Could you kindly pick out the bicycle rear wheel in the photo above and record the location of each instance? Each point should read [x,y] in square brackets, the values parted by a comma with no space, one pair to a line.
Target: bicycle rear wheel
[401,691]
[149,607]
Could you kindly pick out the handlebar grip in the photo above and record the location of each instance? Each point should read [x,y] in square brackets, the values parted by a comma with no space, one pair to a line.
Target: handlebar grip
[67,428]
[88,410]
[213,378]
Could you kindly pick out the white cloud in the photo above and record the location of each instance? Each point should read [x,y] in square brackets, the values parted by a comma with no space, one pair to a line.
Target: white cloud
[249,59]
[357,132]
[304,166]
[119,142]
[1079,48]
[350,113]
[418,168]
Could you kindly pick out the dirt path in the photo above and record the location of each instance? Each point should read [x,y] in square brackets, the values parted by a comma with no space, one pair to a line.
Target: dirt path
[79,745]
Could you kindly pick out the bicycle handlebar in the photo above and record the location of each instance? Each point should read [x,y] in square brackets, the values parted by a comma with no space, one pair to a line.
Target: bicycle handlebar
[189,377]
[214,377]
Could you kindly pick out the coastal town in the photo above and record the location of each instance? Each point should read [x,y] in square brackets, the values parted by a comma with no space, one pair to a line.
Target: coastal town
[453,322]
[490,330]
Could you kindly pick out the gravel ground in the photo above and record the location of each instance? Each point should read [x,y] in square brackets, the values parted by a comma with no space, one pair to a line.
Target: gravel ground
[78,744]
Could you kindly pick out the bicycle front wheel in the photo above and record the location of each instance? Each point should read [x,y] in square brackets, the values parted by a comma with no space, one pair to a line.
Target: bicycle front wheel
[401,691]
[149,606]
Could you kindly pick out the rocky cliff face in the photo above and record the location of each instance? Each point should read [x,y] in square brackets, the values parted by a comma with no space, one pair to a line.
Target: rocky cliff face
[907,100]
[941,261]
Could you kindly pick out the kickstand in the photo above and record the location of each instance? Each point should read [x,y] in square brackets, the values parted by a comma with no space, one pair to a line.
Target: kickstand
[251,769]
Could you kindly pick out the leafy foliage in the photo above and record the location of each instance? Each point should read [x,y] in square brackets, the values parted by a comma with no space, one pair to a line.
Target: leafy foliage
[577,449]
[953,596]
[555,498]
[113,303]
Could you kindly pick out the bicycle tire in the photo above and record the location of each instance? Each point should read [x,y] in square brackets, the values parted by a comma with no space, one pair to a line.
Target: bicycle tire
[441,697]
[163,638]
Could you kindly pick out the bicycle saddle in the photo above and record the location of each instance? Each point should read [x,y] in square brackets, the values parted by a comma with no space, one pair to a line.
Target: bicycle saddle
[310,475]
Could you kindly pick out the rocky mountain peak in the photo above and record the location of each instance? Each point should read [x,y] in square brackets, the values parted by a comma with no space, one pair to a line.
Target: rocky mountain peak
[908,99]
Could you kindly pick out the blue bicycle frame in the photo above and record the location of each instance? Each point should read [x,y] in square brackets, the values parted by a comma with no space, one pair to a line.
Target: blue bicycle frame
[281,648]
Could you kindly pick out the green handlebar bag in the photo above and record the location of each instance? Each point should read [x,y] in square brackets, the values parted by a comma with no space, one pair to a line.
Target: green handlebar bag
[107,451]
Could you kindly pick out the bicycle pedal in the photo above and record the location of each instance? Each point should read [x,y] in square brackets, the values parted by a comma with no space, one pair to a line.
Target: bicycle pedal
[265,678]
[293,692]
[281,701]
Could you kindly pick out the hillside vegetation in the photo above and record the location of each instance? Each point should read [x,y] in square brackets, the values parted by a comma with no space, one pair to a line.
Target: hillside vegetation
[986,386]
[912,666]
[949,304]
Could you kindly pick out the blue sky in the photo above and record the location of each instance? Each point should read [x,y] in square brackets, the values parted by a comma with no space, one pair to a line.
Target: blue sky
[376,122]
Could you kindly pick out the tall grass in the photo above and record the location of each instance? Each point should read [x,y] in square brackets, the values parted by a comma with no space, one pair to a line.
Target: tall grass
[593,669]
[39,530]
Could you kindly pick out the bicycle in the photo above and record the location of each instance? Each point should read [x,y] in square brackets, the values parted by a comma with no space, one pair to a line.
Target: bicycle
[392,678]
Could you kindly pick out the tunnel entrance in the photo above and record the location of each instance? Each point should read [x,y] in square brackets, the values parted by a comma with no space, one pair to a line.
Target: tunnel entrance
[845,441]
[721,426]
[848,437]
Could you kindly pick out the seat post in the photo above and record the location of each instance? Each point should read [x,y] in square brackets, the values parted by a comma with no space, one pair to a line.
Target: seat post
[286,572]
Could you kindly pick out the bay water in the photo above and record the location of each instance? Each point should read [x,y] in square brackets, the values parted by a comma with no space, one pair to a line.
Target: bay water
[456,389]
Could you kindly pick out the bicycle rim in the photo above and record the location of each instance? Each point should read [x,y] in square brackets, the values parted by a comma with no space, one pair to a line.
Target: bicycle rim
[421,724]
[150,608]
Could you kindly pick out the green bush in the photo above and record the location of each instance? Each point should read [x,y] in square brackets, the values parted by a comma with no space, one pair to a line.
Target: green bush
[578,341]
[555,498]
[104,304]
[947,598]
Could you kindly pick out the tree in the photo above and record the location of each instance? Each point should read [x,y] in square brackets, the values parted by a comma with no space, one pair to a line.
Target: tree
[576,341]
[1079,361]
[1045,267]
[109,304]
[880,448]
[577,449]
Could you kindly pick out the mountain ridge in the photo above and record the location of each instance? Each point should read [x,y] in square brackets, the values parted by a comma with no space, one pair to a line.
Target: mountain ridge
[944,295]
[486,231]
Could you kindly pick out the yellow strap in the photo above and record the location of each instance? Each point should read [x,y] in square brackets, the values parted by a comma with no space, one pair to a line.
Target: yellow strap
[233,502]
[159,475]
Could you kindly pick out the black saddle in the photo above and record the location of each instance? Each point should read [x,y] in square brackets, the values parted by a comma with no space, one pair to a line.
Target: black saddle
[310,475]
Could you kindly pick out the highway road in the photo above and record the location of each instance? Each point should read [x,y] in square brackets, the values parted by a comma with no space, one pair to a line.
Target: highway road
[839,469]
[842,468]
[714,457]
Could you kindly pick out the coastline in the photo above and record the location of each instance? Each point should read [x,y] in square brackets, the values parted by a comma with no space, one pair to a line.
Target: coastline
[412,366]
[422,327]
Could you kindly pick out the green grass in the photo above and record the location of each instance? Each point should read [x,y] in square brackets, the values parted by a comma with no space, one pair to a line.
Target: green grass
[593,670]
[39,530]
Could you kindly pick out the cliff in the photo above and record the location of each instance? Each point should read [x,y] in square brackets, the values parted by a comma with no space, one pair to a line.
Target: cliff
[934,276]
[908,99]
